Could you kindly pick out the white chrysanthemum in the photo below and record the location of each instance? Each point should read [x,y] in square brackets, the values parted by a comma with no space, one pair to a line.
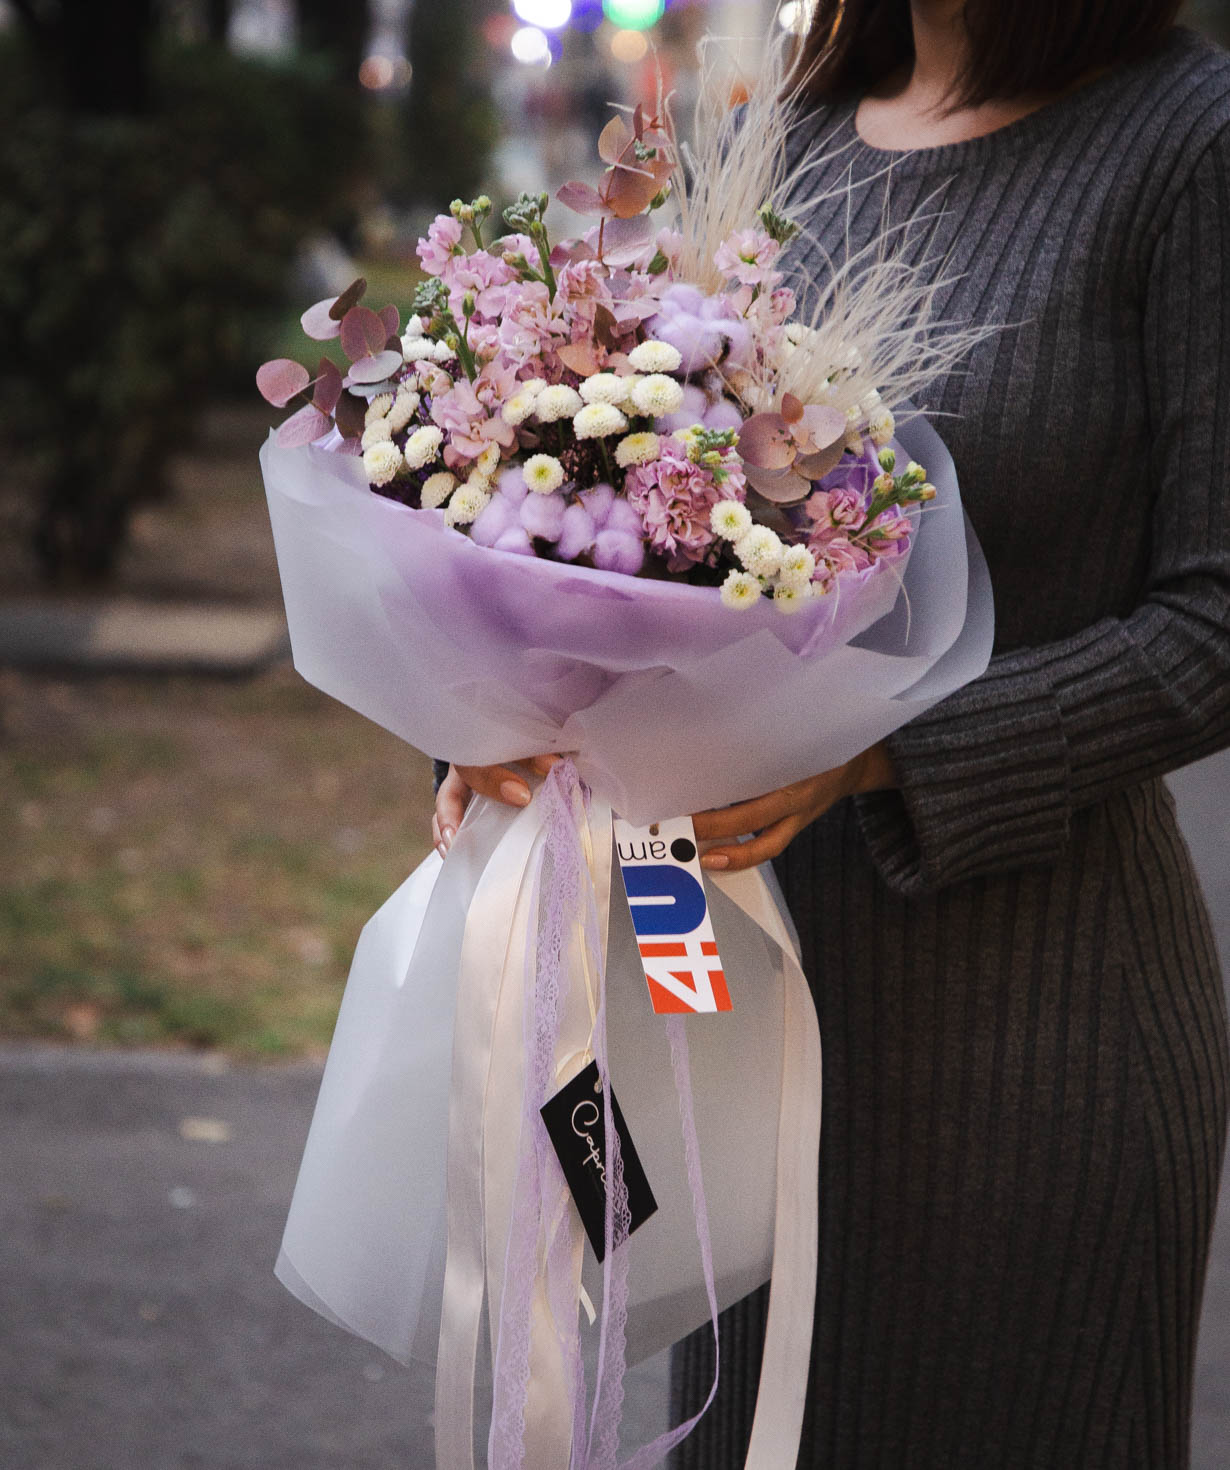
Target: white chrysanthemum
[381,462]
[730,520]
[405,406]
[740,590]
[378,407]
[379,431]
[627,403]
[423,446]
[658,394]
[437,488]
[467,504]
[543,473]
[597,420]
[760,551]
[603,388]
[488,461]
[637,449]
[518,408]
[559,401]
[795,332]
[788,598]
[423,349]
[532,385]
[655,357]
[796,567]
[881,426]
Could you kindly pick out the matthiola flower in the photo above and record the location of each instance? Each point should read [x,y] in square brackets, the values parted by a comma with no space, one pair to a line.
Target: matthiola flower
[442,242]
[483,276]
[748,255]
[531,324]
[675,500]
[881,426]
[381,462]
[607,528]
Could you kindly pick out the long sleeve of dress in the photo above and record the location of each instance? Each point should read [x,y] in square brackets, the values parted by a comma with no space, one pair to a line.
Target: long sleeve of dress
[990,778]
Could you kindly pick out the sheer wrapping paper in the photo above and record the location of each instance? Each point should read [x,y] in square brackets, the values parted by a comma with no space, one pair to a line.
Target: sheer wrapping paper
[672,703]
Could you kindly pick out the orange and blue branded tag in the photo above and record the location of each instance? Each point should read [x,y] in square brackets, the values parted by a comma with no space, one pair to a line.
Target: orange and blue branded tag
[670,913]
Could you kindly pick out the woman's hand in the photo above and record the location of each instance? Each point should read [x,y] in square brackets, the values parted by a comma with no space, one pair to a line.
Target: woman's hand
[500,783]
[780,815]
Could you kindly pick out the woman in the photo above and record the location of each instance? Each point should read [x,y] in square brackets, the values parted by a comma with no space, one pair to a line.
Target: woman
[1025,1079]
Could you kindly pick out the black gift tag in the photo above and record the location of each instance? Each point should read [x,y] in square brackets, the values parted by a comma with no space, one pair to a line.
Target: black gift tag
[574,1121]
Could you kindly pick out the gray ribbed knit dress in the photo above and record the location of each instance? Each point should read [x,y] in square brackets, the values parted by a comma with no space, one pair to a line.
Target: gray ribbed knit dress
[1025,1063]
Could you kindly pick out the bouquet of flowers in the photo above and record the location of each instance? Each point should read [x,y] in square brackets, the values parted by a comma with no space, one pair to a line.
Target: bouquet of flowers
[565,508]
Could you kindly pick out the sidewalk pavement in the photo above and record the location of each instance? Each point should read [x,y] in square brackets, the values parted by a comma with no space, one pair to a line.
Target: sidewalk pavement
[124,635]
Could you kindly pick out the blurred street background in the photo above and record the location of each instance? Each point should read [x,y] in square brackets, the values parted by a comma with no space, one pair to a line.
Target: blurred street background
[190,836]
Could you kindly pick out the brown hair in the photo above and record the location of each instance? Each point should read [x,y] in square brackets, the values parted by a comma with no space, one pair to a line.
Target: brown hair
[1014,49]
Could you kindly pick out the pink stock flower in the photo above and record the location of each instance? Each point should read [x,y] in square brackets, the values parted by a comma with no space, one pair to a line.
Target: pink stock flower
[469,415]
[532,324]
[840,507]
[674,498]
[442,242]
[748,256]
[484,276]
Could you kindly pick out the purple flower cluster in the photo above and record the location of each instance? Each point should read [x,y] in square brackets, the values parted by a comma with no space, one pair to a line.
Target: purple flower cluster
[674,499]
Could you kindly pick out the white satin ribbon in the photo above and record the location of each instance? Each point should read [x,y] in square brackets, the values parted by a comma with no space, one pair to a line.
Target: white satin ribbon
[484,1115]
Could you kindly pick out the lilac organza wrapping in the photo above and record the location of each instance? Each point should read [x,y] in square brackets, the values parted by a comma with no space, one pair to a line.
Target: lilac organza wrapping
[671,702]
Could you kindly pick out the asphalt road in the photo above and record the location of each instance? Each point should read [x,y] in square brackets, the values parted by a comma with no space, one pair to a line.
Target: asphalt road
[141,1327]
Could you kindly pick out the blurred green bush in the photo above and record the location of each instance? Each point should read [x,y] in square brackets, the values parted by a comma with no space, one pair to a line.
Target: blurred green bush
[141,262]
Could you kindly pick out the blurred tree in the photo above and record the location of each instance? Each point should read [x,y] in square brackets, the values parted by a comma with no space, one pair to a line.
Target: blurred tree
[217,20]
[338,30]
[97,56]
[141,259]
[451,123]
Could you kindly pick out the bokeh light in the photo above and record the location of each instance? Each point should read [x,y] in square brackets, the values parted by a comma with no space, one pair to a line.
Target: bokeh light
[587,15]
[796,15]
[633,15]
[531,46]
[547,15]
[629,46]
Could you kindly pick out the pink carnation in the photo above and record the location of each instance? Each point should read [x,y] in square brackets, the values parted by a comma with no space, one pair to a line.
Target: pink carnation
[674,498]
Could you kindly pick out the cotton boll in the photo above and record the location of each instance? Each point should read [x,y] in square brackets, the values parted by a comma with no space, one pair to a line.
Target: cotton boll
[691,411]
[625,519]
[597,500]
[516,541]
[617,551]
[497,517]
[577,532]
[722,415]
[543,516]
[512,484]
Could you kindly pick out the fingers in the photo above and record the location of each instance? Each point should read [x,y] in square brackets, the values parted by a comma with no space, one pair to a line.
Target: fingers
[541,764]
[452,798]
[744,816]
[740,855]
[497,783]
